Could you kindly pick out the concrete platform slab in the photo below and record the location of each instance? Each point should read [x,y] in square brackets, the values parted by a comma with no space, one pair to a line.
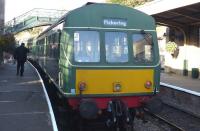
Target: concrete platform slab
[181,81]
[23,105]
[25,122]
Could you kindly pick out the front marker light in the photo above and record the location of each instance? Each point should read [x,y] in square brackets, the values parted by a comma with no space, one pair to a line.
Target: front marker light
[148,84]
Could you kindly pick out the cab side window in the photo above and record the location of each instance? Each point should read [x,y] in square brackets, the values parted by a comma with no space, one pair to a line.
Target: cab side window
[142,48]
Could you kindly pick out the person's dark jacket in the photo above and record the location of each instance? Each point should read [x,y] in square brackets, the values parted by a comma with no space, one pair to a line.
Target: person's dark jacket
[21,53]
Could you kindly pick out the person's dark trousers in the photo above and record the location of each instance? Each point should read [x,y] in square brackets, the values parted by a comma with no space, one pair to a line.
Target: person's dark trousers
[20,67]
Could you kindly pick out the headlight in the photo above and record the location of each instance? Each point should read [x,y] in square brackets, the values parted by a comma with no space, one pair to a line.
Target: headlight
[82,86]
[117,87]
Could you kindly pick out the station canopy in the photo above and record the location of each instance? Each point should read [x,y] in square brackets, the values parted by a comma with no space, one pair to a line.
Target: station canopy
[173,12]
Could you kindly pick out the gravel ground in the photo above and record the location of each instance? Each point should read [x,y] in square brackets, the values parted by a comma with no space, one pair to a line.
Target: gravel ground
[180,118]
[148,126]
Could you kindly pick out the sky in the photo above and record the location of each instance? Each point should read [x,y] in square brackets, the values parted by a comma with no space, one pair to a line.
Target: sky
[14,8]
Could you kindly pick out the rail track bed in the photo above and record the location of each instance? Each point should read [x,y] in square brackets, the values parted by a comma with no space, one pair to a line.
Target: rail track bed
[185,121]
[176,119]
[169,119]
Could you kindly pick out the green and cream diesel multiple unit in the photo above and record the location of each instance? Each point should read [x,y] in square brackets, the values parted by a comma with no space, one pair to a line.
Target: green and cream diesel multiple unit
[102,56]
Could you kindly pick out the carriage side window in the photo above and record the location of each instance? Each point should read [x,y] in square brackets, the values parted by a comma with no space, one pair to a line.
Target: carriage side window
[86,46]
[142,47]
[116,47]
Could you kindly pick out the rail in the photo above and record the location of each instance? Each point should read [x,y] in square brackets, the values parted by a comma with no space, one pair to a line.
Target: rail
[163,120]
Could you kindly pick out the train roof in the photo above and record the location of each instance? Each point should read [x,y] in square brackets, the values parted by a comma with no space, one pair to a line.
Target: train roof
[91,15]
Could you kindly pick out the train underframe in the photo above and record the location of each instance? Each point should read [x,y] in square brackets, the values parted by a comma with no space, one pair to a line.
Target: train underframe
[119,112]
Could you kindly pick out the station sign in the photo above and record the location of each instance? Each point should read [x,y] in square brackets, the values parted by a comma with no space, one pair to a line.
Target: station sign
[115,22]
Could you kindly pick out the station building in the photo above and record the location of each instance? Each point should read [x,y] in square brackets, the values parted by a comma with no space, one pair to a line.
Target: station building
[178,33]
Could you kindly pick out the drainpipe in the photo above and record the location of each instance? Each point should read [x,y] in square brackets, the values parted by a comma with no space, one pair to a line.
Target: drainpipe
[185,61]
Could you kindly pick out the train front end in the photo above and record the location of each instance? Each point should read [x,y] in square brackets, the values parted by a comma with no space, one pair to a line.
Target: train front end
[112,60]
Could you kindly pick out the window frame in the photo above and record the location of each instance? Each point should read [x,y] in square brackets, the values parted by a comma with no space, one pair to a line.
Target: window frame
[102,62]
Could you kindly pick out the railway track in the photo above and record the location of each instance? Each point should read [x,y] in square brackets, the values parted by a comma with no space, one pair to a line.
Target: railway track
[162,121]
[173,117]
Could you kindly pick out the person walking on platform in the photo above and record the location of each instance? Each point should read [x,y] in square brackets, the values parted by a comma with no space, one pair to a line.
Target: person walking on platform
[20,55]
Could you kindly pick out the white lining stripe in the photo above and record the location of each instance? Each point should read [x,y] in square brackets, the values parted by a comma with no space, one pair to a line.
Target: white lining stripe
[107,28]
[53,120]
[7,101]
[180,89]
[24,113]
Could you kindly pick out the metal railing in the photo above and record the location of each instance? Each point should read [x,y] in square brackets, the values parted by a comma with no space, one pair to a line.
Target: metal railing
[34,17]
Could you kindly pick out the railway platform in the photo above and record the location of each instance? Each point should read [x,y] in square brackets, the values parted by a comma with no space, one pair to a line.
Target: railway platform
[24,105]
[184,82]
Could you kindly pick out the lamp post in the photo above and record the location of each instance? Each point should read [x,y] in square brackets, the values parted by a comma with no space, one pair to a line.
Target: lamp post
[2,15]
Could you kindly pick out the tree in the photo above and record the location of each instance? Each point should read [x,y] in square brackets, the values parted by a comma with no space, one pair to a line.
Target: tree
[7,44]
[131,3]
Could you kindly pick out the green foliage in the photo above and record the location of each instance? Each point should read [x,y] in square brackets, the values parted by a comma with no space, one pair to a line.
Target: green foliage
[7,43]
[131,3]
